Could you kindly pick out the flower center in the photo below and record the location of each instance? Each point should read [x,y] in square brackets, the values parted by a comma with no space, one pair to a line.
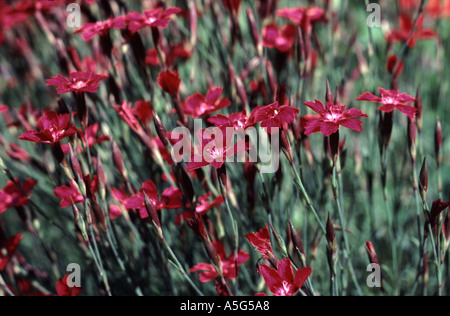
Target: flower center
[79,84]
[284,290]
[389,100]
[332,117]
[216,153]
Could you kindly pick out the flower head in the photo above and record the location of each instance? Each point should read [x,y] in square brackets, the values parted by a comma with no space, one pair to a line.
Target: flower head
[170,199]
[283,39]
[261,241]
[52,128]
[170,82]
[198,105]
[90,30]
[13,196]
[7,249]
[68,194]
[78,81]
[304,17]
[216,146]
[406,27]
[228,264]
[64,289]
[275,116]
[282,282]
[391,100]
[331,118]
[151,18]
[204,203]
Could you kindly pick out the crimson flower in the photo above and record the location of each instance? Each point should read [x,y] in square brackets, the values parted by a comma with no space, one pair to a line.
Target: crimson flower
[406,27]
[198,105]
[151,18]
[171,54]
[216,148]
[144,111]
[170,199]
[170,82]
[67,194]
[91,135]
[283,39]
[204,204]
[228,264]
[275,116]
[7,249]
[3,108]
[303,16]
[331,118]
[282,282]
[63,288]
[392,100]
[236,120]
[52,128]
[261,241]
[90,30]
[12,196]
[78,81]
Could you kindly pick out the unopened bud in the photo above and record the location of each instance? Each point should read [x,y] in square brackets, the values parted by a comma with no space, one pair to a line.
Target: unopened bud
[423,180]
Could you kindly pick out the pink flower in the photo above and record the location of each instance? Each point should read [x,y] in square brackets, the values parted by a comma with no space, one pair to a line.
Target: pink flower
[216,146]
[52,128]
[170,82]
[303,16]
[7,249]
[228,264]
[12,196]
[331,118]
[68,194]
[275,116]
[3,108]
[63,288]
[170,199]
[261,241]
[143,111]
[198,106]
[79,81]
[391,100]
[204,204]
[235,120]
[406,27]
[282,282]
[282,40]
[89,30]
[151,18]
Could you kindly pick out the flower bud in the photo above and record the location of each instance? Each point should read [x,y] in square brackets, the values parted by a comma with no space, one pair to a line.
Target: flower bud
[423,180]
[438,141]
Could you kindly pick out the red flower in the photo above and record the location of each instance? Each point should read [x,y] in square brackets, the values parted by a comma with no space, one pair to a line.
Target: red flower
[91,135]
[7,250]
[52,128]
[275,116]
[261,240]
[68,194]
[331,118]
[197,105]
[12,196]
[151,18]
[282,40]
[282,282]
[392,100]
[216,147]
[170,199]
[228,264]
[406,26]
[3,108]
[63,288]
[236,120]
[172,53]
[170,82]
[303,16]
[143,111]
[78,81]
[204,204]
[89,30]
[128,115]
